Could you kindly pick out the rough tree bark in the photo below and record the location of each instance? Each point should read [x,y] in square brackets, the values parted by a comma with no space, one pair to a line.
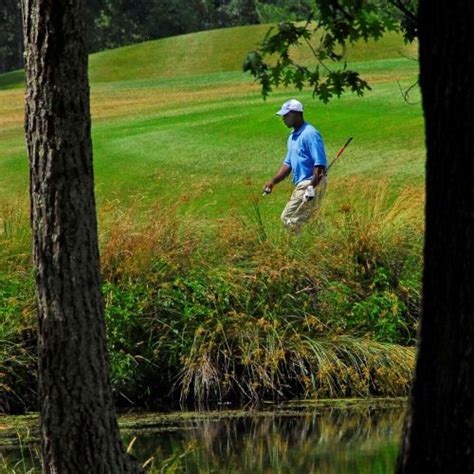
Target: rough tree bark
[439,431]
[78,421]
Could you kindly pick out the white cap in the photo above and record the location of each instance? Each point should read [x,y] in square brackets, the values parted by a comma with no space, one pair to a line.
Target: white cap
[290,105]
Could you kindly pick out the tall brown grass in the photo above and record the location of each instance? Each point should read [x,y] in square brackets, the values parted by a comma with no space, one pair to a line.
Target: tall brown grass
[236,308]
[15,236]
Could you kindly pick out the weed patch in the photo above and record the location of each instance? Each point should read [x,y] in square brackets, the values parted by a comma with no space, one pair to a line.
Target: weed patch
[238,310]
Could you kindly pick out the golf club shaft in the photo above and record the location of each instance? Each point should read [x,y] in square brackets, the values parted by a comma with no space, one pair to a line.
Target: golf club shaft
[339,153]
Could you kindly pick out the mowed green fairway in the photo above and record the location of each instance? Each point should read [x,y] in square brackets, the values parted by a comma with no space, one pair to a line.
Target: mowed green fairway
[176,121]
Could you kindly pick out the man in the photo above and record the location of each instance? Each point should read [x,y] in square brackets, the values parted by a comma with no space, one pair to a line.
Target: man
[306,160]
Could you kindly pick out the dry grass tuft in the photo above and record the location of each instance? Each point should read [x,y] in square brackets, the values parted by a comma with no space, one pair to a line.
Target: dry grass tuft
[155,241]
[252,359]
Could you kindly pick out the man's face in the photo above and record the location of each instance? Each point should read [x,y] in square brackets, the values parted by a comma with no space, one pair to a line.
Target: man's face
[290,119]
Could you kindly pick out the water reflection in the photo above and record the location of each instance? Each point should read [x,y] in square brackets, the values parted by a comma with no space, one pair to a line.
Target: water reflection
[293,441]
[332,441]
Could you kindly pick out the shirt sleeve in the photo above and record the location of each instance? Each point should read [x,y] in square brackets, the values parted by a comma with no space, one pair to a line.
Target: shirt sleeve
[287,160]
[315,148]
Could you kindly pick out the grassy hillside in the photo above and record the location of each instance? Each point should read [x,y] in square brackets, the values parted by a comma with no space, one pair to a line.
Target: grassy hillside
[176,119]
[205,52]
[209,52]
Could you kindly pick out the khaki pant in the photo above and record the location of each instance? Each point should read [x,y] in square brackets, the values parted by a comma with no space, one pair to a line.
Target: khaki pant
[297,211]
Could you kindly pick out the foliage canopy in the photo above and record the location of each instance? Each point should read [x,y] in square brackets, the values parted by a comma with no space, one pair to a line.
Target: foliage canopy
[332,25]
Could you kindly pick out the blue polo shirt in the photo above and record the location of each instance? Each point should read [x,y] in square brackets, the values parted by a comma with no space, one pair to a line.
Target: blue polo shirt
[305,151]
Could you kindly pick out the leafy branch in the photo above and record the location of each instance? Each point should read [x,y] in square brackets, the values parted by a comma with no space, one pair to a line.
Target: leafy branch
[338,23]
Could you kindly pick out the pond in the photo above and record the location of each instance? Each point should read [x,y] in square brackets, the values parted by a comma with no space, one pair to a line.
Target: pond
[297,437]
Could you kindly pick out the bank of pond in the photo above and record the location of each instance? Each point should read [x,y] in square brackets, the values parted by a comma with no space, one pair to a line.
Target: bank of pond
[237,310]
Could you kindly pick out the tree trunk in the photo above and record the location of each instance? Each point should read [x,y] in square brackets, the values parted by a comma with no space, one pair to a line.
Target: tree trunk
[78,422]
[18,38]
[439,430]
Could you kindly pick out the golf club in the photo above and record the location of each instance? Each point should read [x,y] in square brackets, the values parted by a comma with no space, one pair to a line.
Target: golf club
[339,153]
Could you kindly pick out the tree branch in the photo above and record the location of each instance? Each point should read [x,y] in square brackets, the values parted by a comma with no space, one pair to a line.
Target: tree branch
[398,4]
[338,6]
[406,93]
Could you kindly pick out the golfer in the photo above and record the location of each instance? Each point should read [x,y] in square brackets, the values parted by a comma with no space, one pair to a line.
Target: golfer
[306,161]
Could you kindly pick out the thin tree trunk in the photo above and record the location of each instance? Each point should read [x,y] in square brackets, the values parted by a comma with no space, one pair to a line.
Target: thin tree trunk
[439,430]
[78,422]
[19,38]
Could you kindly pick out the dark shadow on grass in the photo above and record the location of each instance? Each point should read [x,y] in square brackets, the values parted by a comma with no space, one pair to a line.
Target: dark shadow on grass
[12,80]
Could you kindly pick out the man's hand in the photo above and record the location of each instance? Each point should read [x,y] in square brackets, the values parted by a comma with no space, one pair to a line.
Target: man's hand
[309,193]
[283,172]
[319,172]
[268,187]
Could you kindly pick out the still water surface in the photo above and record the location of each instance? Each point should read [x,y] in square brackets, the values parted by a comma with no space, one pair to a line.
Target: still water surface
[291,439]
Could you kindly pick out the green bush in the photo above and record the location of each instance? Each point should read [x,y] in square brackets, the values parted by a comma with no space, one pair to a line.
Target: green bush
[128,337]
[385,310]
[382,314]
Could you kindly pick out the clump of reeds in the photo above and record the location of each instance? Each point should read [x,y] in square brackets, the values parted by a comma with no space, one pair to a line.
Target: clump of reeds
[369,228]
[252,359]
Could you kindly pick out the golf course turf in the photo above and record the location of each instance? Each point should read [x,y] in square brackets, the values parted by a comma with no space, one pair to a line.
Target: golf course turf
[176,118]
